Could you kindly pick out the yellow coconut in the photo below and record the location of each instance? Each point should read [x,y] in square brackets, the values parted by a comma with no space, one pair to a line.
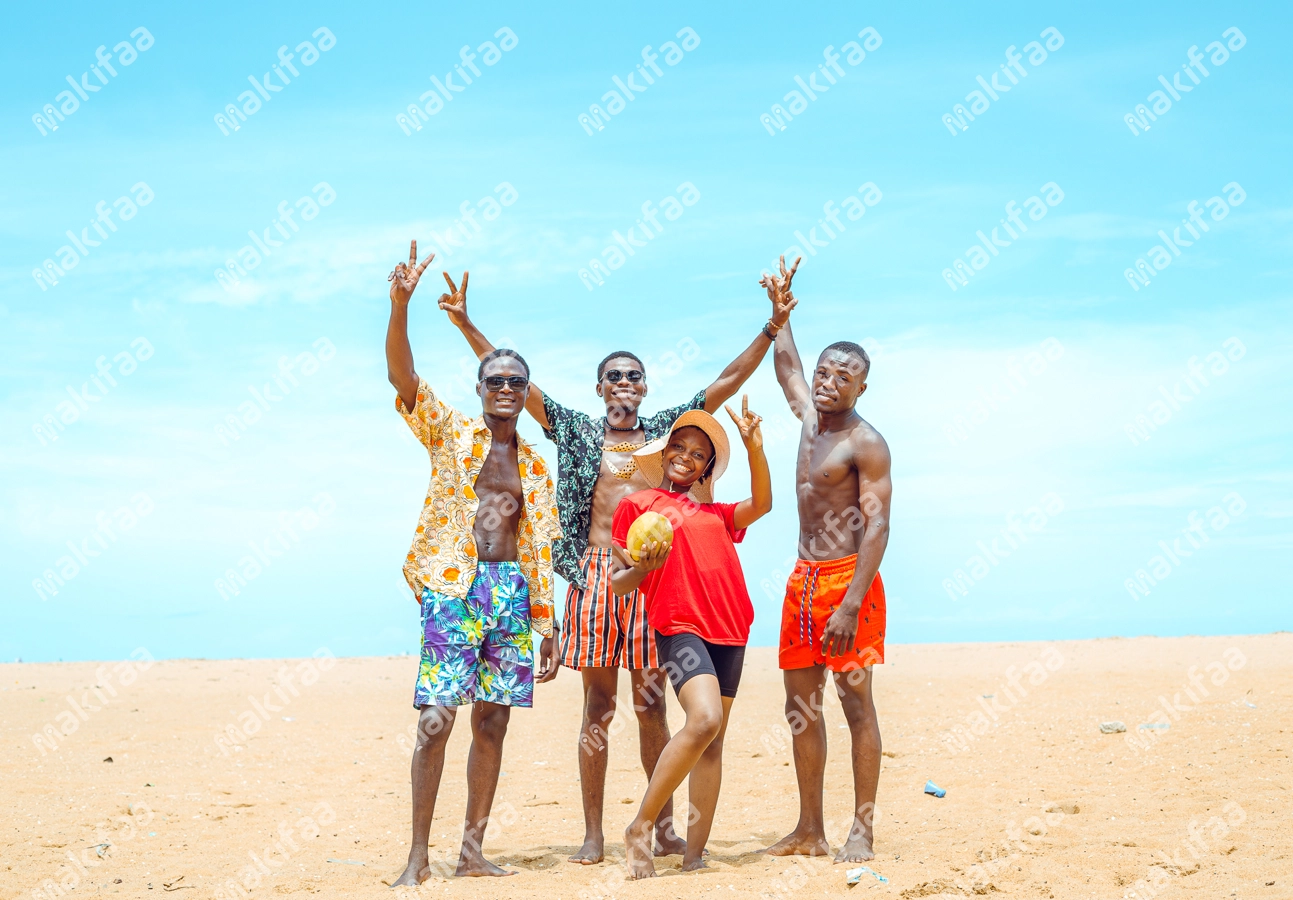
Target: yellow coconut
[650,526]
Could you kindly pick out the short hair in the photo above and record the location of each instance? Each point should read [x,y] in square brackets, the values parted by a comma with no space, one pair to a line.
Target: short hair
[496,354]
[601,367]
[854,350]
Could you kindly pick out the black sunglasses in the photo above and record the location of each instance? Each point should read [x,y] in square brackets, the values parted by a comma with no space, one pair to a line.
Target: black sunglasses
[496,382]
[615,375]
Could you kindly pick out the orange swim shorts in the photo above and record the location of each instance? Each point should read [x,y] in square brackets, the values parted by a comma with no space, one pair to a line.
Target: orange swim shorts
[813,593]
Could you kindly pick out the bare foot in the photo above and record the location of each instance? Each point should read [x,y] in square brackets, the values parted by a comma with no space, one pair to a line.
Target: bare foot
[415,873]
[591,853]
[667,843]
[637,851]
[856,849]
[695,864]
[800,844]
[474,864]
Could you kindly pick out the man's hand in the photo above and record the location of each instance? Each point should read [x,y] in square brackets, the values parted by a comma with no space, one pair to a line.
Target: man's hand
[841,631]
[548,659]
[747,423]
[783,300]
[455,302]
[652,556]
[405,277]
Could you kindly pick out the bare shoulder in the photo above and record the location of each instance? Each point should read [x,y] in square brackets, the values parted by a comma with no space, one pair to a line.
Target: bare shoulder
[870,449]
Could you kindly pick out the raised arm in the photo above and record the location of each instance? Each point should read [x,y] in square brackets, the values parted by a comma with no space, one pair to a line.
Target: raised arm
[759,504]
[455,304]
[875,489]
[740,369]
[399,355]
[785,356]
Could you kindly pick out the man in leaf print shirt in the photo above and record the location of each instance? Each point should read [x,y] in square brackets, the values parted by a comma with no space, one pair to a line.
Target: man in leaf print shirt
[481,567]
[604,632]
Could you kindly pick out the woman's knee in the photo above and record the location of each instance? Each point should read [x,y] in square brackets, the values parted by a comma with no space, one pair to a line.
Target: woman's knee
[705,723]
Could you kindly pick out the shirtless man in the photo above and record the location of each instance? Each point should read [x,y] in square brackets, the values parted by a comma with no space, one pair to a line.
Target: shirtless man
[604,632]
[480,566]
[834,611]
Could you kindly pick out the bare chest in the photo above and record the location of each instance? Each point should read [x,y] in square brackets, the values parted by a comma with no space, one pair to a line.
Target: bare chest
[499,474]
[825,463]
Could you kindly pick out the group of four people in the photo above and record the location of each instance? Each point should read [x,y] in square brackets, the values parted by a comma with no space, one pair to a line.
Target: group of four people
[493,529]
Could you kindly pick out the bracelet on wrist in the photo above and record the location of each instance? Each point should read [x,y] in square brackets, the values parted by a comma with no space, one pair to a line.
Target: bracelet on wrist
[769,331]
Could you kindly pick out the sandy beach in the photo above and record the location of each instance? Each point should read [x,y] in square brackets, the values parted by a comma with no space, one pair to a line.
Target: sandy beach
[141,798]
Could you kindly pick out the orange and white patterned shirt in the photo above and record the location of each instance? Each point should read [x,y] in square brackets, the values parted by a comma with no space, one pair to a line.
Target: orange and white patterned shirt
[443,554]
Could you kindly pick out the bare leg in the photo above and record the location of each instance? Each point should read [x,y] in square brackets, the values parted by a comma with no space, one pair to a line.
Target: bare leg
[434,725]
[808,727]
[600,684]
[653,733]
[488,728]
[702,790]
[701,702]
[859,711]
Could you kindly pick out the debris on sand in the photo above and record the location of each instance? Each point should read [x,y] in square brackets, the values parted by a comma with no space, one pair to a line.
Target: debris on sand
[1112,728]
[855,875]
[935,790]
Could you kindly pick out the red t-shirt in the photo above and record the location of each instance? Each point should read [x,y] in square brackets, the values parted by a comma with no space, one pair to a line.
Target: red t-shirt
[700,589]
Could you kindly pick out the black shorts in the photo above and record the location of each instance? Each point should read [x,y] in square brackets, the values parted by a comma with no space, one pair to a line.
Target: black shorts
[684,656]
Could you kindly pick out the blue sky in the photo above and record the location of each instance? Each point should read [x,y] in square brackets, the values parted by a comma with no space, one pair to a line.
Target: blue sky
[335,444]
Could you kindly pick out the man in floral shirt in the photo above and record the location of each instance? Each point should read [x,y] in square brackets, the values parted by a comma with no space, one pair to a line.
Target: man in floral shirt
[481,566]
[595,471]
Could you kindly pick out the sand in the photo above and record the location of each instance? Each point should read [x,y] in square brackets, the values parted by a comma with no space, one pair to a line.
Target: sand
[1202,810]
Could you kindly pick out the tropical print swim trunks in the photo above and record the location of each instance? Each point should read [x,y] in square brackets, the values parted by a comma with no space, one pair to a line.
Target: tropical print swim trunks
[478,647]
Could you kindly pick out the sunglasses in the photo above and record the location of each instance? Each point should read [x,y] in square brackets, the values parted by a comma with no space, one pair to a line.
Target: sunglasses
[496,382]
[614,376]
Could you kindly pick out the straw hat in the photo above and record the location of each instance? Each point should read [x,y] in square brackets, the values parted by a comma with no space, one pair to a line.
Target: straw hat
[650,458]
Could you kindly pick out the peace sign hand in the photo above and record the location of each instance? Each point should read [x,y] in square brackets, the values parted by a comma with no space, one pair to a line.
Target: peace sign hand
[747,423]
[405,276]
[783,300]
[455,303]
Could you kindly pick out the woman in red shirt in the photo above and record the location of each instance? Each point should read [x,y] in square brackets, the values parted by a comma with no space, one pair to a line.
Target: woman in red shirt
[698,605]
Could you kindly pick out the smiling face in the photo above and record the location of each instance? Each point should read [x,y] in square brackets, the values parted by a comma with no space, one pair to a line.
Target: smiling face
[687,456]
[838,381]
[623,394]
[505,402]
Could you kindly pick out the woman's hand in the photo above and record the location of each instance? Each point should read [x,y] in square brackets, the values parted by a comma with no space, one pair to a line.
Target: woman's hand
[651,556]
[748,424]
